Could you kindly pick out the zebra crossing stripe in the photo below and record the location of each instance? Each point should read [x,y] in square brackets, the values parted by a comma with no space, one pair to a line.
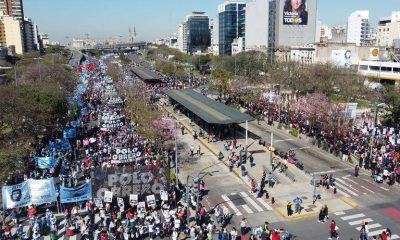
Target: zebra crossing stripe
[358,222]
[374,233]
[251,201]
[346,184]
[231,205]
[343,193]
[346,189]
[393,237]
[247,208]
[339,213]
[370,226]
[353,216]
[262,202]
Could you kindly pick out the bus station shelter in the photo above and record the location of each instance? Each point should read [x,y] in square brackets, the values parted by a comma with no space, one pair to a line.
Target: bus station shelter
[213,117]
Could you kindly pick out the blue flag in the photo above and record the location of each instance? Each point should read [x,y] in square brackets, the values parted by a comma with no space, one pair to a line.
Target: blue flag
[78,194]
[69,133]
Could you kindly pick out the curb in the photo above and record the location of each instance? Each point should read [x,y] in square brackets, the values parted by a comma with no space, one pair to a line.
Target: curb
[348,202]
[305,215]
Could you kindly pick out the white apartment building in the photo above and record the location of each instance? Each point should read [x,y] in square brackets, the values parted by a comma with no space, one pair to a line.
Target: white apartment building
[214,29]
[182,38]
[358,29]
[256,21]
[388,30]
[10,33]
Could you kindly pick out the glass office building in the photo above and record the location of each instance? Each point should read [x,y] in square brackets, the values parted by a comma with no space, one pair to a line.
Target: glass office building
[198,30]
[231,16]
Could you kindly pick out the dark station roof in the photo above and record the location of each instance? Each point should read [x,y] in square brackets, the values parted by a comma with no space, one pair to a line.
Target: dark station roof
[206,108]
[145,74]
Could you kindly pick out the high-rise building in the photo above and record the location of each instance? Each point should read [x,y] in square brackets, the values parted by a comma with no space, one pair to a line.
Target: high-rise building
[29,34]
[257,23]
[13,8]
[36,37]
[388,30]
[339,34]
[182,38]
[198,30]
[214,29]
[358,28]
[231,21]
[10,33]
[295,24]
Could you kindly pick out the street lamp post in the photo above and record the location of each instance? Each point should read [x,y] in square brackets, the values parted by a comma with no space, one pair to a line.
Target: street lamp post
[25,59]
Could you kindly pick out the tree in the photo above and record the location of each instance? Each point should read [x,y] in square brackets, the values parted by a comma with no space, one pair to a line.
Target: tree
[313,107]
[391,98]
[115,72]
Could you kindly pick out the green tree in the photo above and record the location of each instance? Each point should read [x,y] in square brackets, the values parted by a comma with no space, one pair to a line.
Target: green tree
[391,98]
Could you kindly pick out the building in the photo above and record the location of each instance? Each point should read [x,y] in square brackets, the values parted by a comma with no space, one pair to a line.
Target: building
[29,35]
[237,45]
[198,32]
[13,8]
[388,30]
[36,39]
[231,22]
[295,27]
[10,33]
[339,34]
[358,28]
[214,30]
[182,38]
[257,17]
[326,32]
[45,39]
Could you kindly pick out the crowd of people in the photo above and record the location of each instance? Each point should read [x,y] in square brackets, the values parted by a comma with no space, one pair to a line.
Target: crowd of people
[374,147]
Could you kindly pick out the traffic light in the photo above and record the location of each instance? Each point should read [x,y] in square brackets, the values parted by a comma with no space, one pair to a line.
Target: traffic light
[196,183]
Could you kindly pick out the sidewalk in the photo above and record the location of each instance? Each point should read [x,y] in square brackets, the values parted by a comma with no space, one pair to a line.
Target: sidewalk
[286,190]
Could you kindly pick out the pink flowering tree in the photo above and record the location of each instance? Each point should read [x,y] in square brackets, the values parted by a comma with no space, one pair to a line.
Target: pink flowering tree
[314,107]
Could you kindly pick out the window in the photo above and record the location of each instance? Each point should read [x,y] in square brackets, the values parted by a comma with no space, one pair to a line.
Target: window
[364,67]
[374,68]
[396,70]
[386,69]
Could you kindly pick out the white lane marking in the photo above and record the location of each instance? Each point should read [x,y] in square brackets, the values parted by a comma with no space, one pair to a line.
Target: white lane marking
[247,208]
[370,226]
[367,189]
[358,222]
[300,148]
[231,205]
[353,216]
[339,213]
[394,237]
[251,201]
[284,140]
[343,193]
[374,233]
[384,188]
[346,189]
[346,184]
[264,204]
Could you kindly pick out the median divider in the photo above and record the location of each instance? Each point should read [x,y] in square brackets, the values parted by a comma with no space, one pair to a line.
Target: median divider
[348,202]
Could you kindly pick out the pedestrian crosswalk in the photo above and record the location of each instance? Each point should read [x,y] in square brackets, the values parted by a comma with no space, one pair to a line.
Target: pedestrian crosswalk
[350,186]
[245,203]
[358,219]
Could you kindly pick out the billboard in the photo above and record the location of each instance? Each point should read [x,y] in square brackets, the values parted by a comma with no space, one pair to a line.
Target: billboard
[341,58]
[126,181]
[295,12]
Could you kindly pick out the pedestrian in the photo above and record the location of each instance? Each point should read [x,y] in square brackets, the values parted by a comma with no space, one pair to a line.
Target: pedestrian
[198,151]
[191,150]
[243,226]
[356,170]
[289,208]
[297,203]
[183,130]
[333,228]
[243,168]
[271,180]
[251,160]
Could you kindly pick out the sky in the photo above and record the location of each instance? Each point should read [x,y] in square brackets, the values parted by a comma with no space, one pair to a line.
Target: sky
[67,19]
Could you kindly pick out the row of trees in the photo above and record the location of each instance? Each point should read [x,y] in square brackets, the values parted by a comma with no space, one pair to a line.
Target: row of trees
[31,110]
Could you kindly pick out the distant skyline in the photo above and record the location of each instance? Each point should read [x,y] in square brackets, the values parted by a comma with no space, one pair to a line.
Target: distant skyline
[158,18]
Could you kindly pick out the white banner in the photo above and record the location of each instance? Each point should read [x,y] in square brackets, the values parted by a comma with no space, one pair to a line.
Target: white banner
[163,195]
[42,191]
[151,200]
[133,199]
[108,196]
[29,192]
[16,196]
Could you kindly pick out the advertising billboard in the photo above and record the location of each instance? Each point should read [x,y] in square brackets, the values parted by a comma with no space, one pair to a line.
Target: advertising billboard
[341,58]
[295,12]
